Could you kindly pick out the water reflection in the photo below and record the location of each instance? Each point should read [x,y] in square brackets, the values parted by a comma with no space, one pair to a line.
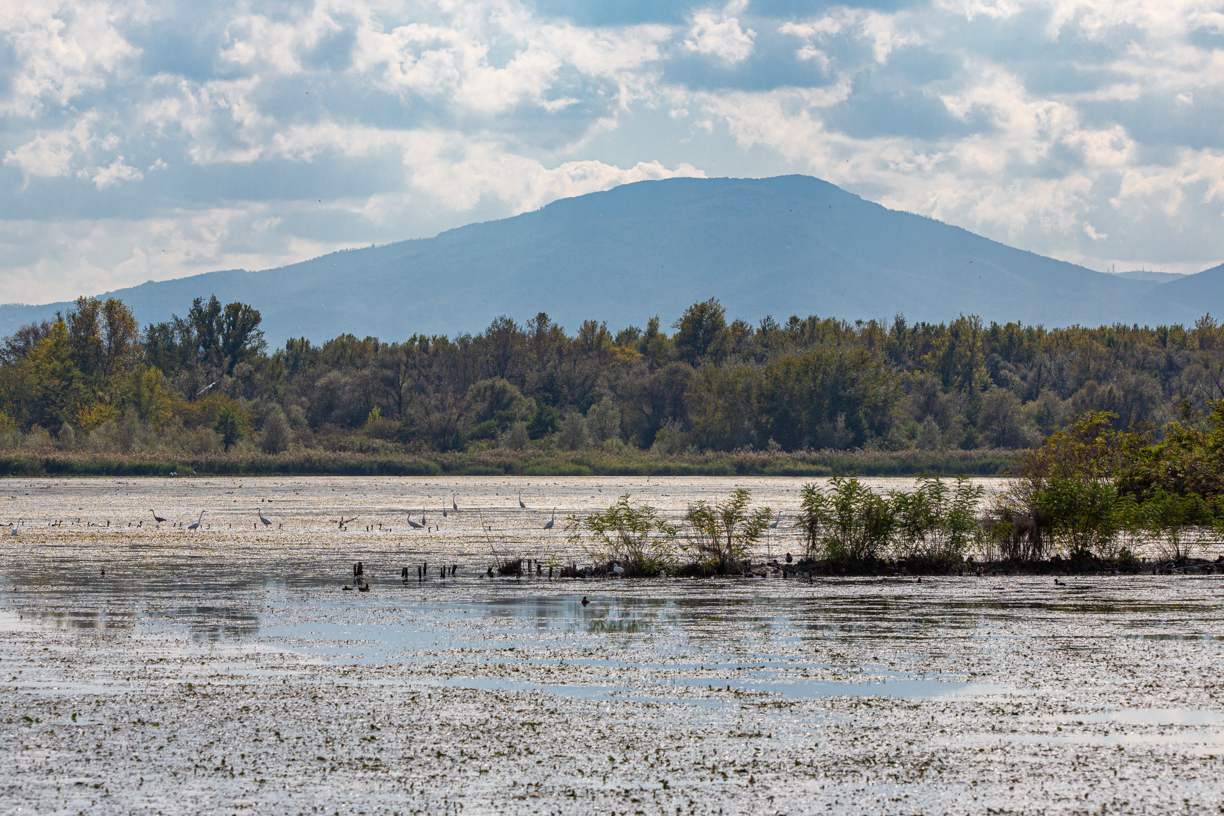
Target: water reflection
[216,623]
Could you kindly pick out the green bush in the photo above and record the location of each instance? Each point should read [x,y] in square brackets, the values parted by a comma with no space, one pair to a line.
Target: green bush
[723,534]
[631,535]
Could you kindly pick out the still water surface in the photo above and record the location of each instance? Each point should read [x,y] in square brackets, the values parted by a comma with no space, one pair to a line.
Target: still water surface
[236,642]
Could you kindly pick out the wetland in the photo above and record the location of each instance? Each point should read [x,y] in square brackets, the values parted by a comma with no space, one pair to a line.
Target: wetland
[149,668]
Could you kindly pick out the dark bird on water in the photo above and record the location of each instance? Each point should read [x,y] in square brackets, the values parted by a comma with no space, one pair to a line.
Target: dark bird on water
[788,558]
[585,602]
[156,517]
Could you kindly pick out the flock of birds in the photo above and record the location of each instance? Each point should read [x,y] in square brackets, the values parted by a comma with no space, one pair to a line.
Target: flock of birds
[423,524]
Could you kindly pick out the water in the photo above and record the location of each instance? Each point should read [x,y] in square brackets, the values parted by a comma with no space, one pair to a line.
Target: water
[227,669]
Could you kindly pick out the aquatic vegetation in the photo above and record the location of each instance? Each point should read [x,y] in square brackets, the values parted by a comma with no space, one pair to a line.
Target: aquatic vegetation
[631,535]
[929,528]
[722,534]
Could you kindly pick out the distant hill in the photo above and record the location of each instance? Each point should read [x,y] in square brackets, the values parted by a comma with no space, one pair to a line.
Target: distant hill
[779,246]
[1149,276]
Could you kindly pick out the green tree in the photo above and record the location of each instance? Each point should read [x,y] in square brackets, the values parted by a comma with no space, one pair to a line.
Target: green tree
[702,332]
[230,425]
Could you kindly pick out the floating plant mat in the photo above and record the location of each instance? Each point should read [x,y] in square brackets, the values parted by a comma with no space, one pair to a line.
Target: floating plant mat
[229,670]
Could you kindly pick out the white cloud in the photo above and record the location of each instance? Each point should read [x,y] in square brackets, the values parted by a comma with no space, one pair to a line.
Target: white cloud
[279,131]
[885,32]
[718,34]
[62,50]
[115,172]
[50,154]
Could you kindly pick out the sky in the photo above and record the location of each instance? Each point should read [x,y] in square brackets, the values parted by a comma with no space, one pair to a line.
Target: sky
[156,139]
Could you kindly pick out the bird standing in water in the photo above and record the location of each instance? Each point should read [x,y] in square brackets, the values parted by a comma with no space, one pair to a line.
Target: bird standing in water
[549,525]
[196,524]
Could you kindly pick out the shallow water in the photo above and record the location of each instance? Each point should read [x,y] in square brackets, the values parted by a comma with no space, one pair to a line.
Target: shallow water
[226,668]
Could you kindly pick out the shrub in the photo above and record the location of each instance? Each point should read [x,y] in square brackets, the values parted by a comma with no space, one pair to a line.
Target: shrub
[604,422]
[631,535]
[723,534]
[276,434]
[935,523]
[847,522]
[572,434]
[1084,516]
[229,425]
[515,437]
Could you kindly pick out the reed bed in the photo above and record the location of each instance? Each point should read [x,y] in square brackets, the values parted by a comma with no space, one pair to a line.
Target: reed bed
[502,462]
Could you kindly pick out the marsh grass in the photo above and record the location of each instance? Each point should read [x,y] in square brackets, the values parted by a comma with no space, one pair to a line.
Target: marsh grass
[47,460]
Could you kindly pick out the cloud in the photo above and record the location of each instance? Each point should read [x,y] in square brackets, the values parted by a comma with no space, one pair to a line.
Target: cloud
[157,138]
[718,34]
[115,172]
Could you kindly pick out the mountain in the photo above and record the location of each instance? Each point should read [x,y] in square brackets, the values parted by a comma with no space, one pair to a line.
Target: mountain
[776,246]
[1149,276]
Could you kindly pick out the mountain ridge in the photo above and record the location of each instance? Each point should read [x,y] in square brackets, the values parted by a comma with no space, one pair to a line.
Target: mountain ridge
[779,246]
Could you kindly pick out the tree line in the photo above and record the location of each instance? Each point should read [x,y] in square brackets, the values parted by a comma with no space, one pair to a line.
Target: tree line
[93,380]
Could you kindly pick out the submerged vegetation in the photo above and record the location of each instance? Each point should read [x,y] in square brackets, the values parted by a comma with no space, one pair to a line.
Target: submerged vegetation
[92,392]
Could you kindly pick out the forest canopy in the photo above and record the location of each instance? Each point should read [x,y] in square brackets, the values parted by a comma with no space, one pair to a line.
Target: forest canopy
[93,380]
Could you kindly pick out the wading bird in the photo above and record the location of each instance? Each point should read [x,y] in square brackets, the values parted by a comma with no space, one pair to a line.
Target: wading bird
[521,502]
[618,569]
[549,525]
[196,524]
[413,524]
[453,505]
[264,520]
[156,517]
